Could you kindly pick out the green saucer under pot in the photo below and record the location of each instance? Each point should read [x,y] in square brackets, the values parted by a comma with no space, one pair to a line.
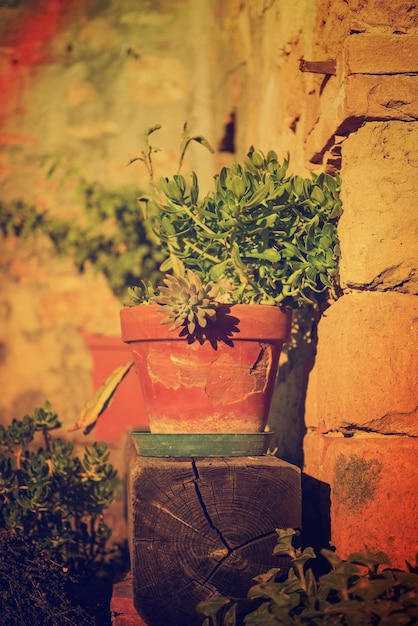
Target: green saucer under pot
[201,445]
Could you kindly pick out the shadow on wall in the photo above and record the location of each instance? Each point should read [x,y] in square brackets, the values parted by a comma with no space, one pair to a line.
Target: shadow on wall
[316,514]
[287,420]
[287,413]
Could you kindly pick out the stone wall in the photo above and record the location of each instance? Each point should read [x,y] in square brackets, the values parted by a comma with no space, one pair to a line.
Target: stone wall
[330,81]
[362,404]
[361,410]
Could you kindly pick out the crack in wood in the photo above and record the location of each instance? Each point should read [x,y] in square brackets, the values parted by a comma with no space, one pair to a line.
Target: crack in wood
[254,540]
[227,551]
[222,553]
[204,508]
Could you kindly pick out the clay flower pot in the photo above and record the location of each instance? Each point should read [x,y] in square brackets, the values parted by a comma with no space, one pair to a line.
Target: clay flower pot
[219,382]
[127,410]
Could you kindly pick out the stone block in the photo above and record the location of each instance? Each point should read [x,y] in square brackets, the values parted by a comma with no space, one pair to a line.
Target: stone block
[381,97]
[378,229]
[365,375]
[375,80]
[380,53]
[349,101]
[374,484]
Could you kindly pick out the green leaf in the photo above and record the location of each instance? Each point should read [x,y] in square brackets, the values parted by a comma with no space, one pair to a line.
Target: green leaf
[218,270]
[303,557]
[167,225]
[166,265]
[324,280]
[238,187]
[371,560]
[270,254]
[291,250]
[317,194]
[180,182]
[297,184]
[211,607]
[259,195]
[204,142]
[284,545]
[194,190]
[152,129]
[325,242]
[230,617]
[235,254]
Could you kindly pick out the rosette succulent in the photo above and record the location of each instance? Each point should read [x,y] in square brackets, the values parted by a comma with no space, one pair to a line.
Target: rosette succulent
[187,302]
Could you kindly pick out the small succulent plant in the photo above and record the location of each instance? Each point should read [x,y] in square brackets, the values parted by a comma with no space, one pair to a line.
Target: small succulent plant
[53,498]
[187,301]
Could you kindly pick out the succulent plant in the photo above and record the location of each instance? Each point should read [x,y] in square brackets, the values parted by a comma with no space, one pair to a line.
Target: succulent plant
[271,237]
[364,589]
[52,497]
[187,301]
[261,236]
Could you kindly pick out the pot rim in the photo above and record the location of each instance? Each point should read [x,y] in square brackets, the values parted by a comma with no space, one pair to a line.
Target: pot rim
[257,322]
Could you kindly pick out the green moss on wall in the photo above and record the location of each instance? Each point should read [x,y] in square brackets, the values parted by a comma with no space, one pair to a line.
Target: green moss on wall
[356,480]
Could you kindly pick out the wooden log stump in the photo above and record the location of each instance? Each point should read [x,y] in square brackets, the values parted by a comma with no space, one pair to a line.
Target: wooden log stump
[201,527]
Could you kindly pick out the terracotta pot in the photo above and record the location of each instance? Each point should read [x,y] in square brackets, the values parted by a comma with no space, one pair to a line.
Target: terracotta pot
[127,409]
[221,382]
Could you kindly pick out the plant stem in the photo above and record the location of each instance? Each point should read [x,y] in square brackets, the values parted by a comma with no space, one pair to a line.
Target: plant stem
[207,256]
[197,221]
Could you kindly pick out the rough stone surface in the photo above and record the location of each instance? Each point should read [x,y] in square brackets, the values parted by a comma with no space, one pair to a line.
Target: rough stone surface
[336,19]
[256,64]
[349,101]
[365,376]
[378,229]
[380,98]
[373,492]
[381,53]
[359,38]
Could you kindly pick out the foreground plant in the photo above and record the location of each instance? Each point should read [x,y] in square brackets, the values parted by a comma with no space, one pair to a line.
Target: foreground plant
[363,590]
[34,588]
[187,302]
[52,498]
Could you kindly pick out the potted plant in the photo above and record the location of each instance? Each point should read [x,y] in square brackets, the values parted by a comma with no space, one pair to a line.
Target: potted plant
[206,341]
